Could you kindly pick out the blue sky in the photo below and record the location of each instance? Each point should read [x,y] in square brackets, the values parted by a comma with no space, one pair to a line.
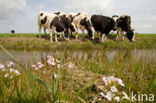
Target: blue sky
[21,15]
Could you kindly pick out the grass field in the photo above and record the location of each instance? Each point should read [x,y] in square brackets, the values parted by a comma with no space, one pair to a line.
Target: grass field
[74,80]
[31,42]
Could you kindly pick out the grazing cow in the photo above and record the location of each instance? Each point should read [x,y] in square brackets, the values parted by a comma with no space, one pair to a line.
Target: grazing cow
[103,25]
[81,21]
[124,27]
[45,18]
[67,21]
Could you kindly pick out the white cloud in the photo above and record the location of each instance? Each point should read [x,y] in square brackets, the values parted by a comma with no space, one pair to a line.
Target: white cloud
[40,7]
[10,9]
[89,6]
[22,14]
[144,24]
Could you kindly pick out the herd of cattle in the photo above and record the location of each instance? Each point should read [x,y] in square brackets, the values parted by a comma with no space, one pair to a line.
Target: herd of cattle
[67,23]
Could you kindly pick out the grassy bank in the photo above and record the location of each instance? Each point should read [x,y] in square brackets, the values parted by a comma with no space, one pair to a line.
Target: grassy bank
[76,80]
[31,42]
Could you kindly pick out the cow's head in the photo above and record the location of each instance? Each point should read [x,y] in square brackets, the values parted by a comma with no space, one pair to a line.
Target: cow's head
[130,35]
[91,32]
[86,23]
[113,24]
[115,17]
[72,27]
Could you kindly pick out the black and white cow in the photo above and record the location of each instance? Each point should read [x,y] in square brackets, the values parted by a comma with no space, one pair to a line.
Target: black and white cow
[42,18]
[68,22]
[53,24]
[103,25]
[124,27]
[81,21]
[49,20]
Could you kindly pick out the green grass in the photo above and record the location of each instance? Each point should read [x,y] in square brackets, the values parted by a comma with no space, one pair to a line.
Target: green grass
[75,85]
[31,42]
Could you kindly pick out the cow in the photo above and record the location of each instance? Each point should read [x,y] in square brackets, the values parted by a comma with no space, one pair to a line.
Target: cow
[67,20]
[103,25]
[124,27]
[43,21]
[81,21]
[12,31]
[53,24]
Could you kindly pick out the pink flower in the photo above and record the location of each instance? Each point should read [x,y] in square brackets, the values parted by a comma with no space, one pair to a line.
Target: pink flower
[57,61]
[11,70]
[3,70]
[114,89]
[36,68]
[33,66]
[40,66]
[17,72]
[11,77]
[70,65]
[117,99]
[109,95]
[1,66]
[9,63]
[50,62]
[6,75]
[58,66]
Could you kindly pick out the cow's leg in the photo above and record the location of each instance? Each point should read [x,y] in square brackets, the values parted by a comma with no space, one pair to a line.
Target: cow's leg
[51,34]
[66,38]
[82,29]
[105,38]
[102,38]
[93,37]
[54,31]
[123,35]
[56,37]
[133,37]
[83,32]
[39,27]
[77,33]
[99,36]
[117,36]
[72,36]
[45,31]
[61,35]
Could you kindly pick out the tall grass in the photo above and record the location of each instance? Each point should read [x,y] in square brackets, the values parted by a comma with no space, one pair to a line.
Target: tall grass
[51,89]
[75,85]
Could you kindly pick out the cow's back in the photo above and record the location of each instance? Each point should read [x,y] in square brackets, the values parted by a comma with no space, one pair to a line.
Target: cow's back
[98,22]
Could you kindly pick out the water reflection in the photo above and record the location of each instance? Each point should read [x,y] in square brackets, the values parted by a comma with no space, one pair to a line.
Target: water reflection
[80,54]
